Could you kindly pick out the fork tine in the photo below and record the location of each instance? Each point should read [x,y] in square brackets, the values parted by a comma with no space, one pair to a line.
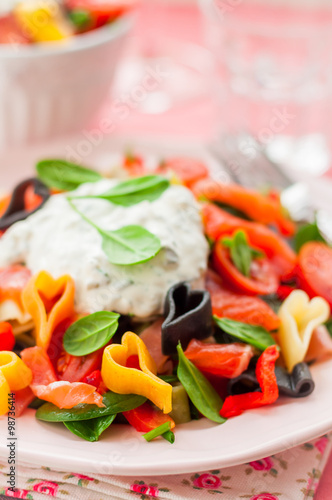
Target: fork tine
[247,163]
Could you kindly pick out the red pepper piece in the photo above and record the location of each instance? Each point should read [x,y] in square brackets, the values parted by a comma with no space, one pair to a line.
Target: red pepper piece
[235,405]
[257,206]
[7,338]
[133,362]
[187,170]
[75,368]
[284,291]
[134,165]
[145,418]
[95,379]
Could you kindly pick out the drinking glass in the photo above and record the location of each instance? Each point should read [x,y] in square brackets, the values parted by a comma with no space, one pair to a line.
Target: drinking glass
[274,77]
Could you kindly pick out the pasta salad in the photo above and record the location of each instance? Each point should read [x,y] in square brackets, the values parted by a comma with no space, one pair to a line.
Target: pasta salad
[155,298]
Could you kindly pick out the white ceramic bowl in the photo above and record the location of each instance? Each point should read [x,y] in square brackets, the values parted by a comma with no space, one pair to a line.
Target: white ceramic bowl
[51,90]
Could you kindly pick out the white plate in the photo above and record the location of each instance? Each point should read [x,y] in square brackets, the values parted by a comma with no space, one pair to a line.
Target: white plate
[199,445]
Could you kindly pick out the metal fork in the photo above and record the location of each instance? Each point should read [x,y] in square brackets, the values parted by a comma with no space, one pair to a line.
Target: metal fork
[246,163]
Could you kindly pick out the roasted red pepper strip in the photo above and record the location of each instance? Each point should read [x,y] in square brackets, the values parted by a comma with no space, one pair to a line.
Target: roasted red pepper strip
[95,379]
[284,291]
[223,360]
[186,170]
[261,208]
[218,223]
[134,165]
[235,405]
[145,418]
[7,339]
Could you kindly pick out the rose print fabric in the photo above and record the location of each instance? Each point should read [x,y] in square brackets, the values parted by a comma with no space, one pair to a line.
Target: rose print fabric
[291,475]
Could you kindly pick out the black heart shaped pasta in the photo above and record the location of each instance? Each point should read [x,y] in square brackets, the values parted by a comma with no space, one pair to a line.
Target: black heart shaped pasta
[188,315]
[298,384]
[16,210]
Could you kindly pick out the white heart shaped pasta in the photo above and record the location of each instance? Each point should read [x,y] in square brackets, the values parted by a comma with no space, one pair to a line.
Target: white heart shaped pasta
[299,317]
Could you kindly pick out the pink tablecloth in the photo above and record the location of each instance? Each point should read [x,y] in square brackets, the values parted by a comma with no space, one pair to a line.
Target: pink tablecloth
[291,475]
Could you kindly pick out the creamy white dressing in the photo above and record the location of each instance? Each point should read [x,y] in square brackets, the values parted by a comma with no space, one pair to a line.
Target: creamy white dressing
[58,240]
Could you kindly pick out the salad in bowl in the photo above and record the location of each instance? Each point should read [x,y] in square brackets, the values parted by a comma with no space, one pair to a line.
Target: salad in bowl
[155,298]
[25,22]
[55,82]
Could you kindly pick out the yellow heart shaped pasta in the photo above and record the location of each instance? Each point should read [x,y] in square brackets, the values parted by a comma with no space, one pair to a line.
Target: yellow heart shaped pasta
[14,376]
[123,380]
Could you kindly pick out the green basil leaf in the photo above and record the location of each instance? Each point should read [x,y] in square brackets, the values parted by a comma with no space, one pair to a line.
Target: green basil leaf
[90,430]
[199,389]
[241,252]
[170,379]
[36,403]
[126,246]
[114,403]
[308,232]
[133,191]
[254,335]
[90,333]
[130,245]
[63,175]
[80,18]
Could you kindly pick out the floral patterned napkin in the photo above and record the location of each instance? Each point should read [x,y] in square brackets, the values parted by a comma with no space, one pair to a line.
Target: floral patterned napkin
[291,475]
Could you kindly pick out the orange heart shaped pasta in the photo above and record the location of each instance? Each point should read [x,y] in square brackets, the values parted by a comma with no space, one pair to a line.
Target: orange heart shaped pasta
[49,302]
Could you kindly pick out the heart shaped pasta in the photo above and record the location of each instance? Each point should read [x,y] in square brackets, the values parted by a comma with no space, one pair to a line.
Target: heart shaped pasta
[49,302]
[16,210]
[144,382]
[14,376]
[188,315]
[299,317]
